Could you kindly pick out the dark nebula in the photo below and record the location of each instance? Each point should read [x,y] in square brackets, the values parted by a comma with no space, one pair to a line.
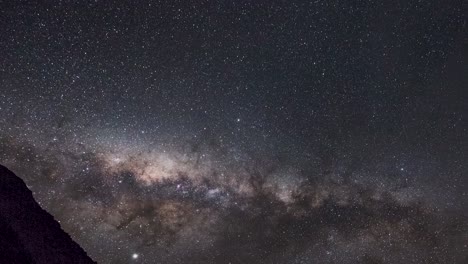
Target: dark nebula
[242,131]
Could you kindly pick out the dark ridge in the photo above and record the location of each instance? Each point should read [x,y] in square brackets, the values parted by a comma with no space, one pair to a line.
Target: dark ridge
[29,234]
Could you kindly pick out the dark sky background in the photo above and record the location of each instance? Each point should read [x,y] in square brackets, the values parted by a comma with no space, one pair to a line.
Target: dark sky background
[242,131]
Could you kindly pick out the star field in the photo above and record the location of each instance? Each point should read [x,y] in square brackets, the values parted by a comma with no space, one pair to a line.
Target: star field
[242,131]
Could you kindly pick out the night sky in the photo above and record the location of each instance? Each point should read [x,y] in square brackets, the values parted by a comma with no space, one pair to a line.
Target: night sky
[242,131]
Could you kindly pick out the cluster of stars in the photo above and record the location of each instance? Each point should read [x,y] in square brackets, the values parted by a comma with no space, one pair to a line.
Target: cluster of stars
[242,132]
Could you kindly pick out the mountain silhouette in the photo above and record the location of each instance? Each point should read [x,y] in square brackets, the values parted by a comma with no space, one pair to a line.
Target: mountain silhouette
[29,234]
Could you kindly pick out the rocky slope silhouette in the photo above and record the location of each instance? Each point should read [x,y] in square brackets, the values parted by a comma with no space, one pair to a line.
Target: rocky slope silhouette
[29,234]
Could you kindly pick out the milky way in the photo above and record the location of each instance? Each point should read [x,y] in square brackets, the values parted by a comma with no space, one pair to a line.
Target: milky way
[238,132]
[203,204]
